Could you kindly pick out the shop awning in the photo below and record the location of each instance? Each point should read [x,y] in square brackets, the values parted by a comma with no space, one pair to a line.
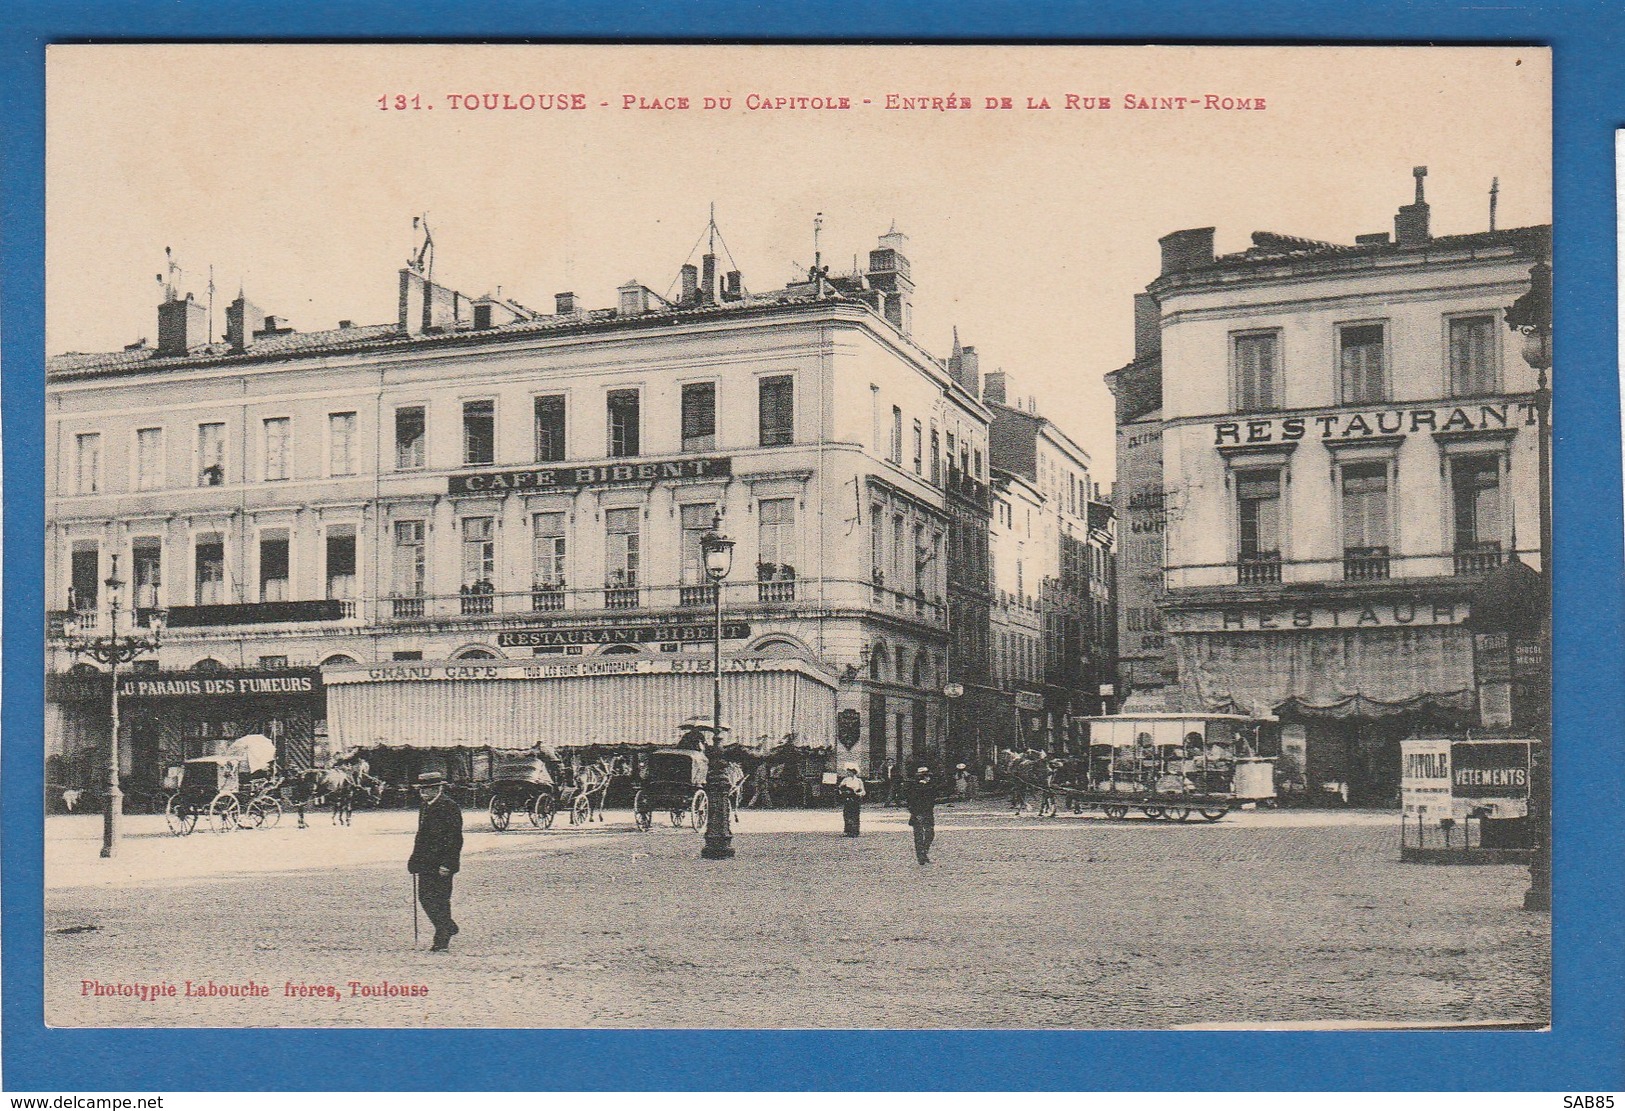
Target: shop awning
[604,701]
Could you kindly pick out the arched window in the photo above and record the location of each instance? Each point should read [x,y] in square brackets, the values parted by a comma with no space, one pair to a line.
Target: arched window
[778,648]
[476,654]
[899,663]
[338,658]
[619,650]
[208,664]
[878,662]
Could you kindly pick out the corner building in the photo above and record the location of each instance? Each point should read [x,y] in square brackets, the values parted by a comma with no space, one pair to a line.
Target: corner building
[477,527]
[1349,447]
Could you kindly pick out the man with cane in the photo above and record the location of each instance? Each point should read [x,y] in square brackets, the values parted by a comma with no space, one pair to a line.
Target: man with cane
[436,856]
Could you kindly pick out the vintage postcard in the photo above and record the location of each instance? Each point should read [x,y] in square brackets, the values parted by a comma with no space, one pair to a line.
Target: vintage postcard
[784,537]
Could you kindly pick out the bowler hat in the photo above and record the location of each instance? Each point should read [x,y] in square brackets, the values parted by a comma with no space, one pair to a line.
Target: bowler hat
[432,779]
[923,771]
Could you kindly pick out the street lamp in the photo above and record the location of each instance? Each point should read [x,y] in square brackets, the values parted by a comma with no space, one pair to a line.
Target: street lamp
[718,551]
[1531,317]
[112,649]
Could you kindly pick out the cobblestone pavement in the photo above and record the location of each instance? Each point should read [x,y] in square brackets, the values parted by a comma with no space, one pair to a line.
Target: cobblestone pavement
[1267,918]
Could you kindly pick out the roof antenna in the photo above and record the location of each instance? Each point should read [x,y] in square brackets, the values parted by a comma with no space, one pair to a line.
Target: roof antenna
[211,302]
[819,271]
[1495,191]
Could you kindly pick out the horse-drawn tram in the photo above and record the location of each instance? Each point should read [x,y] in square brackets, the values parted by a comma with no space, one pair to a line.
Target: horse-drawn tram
[1166,766]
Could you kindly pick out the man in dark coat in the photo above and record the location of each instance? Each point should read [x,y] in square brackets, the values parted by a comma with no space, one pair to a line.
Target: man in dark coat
[922,797]
[436,855]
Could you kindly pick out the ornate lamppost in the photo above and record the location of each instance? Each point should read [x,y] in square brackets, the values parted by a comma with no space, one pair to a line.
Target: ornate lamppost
[718,551]
[113,648]
[1531,317]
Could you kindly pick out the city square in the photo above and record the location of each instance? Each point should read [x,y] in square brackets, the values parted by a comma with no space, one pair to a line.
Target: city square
[1269,918]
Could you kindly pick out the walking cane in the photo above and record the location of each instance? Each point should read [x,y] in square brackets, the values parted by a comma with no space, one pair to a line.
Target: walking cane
[414,909]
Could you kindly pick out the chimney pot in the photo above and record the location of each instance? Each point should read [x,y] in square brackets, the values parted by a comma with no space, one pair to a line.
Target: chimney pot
[691,283]
[708,281]
[564,304]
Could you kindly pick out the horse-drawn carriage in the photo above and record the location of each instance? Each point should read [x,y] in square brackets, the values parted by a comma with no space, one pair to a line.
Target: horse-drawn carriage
[523,786]
[673,781]
[211,789]
[1167,766]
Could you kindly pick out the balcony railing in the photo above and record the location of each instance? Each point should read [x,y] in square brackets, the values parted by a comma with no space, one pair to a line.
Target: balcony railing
[1263,569]
[621,598]
[1365,564]
[407,607]
[783,590]
[1478,559]
[703,595]
[549,599]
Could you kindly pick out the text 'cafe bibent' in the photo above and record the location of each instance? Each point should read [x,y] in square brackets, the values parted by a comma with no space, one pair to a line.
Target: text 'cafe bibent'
[479,525]
[1349,456]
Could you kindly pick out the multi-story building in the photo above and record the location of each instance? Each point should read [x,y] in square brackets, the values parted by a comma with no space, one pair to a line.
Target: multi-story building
[1349,446]
[1146,666]
[479,525]
[1053,538]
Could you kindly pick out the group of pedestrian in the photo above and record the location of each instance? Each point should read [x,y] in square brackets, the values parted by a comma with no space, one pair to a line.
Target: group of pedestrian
[437,850]
[921,795]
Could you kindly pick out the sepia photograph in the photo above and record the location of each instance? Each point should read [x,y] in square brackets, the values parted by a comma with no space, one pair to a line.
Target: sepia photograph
[785,537]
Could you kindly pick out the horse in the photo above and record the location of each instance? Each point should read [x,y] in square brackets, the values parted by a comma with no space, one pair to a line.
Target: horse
[338,786]
[592,782]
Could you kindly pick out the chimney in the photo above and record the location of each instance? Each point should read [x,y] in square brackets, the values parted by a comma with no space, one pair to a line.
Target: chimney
[708,281]
[564,304]
[733,286]
[889,275]
[691,284]
[240,315]
[993,386]
[1147,325]
[970,371]
[1186,250]
[412,301]
[182,325]
[1411,222]
[346,325]
[1372,239]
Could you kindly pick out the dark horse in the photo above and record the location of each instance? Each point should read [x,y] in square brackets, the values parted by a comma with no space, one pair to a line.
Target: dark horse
[339,786]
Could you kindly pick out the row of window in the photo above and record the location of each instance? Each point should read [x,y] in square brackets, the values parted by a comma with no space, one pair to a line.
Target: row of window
[1367,518]
[623,425]
[953,458]
[551,568]
[1363,363]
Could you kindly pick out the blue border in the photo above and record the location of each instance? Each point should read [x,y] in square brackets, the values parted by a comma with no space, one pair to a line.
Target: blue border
[1582,1053]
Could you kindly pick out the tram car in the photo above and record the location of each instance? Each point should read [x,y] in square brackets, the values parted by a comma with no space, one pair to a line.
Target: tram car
[1171,766]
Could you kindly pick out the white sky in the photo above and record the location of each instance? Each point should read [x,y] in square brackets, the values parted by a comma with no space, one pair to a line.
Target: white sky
[1030,230]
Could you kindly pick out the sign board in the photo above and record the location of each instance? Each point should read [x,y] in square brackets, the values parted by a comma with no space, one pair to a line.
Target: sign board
[221,684]
[416,671]
[1442,778]
[699,632]
[1027,700]
[1403,613]
[533,480]
[848,728]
